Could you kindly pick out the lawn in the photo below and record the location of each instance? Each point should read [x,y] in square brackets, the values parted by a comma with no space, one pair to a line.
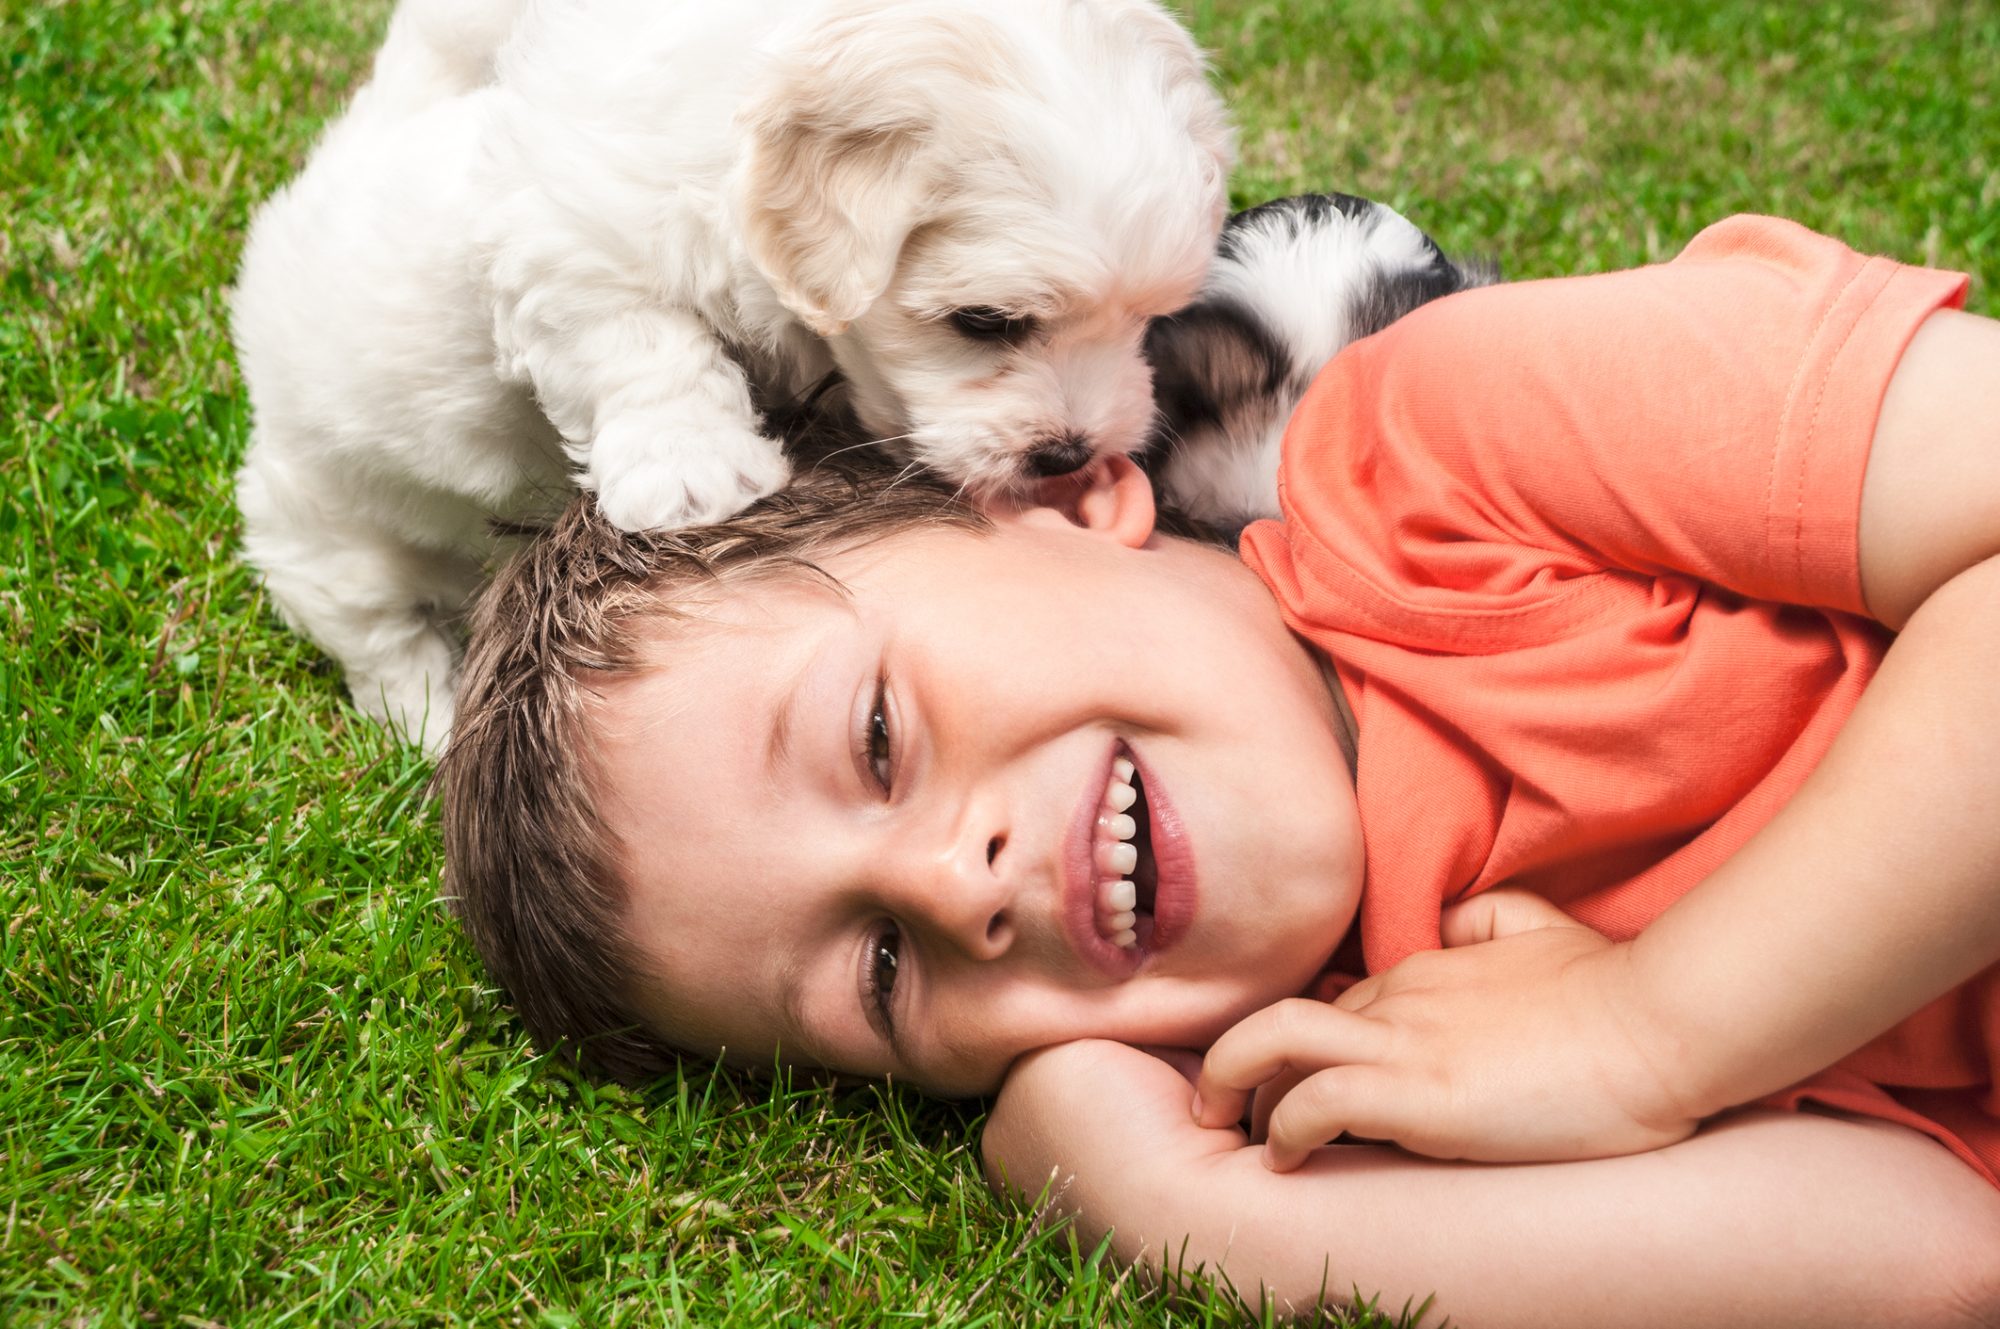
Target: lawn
[249,1074]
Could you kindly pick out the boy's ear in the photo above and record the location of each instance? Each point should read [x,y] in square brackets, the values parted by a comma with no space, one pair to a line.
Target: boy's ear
[1111,497]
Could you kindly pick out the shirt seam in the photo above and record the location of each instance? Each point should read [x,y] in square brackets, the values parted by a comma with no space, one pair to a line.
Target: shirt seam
[1567,609]
[1793,394]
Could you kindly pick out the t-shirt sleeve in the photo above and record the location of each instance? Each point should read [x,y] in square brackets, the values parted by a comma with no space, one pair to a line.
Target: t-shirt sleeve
[1710,417]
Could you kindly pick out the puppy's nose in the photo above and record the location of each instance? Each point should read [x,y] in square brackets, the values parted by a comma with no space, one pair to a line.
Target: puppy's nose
[1057,456]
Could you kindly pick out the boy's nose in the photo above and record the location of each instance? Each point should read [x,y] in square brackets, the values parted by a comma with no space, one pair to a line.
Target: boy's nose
[960,891]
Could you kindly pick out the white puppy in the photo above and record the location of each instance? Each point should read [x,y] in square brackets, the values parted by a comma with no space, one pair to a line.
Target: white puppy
[556,242]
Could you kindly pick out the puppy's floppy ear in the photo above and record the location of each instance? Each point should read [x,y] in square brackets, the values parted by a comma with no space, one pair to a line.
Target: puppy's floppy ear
[1157,35]
[1210,360]
[839,156]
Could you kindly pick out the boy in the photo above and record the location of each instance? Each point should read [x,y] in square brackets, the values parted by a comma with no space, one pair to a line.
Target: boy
[1579,590]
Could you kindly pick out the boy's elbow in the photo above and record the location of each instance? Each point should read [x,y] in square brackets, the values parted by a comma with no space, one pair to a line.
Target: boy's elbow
[1973,1305]
[1972,1294]
[1958,1285]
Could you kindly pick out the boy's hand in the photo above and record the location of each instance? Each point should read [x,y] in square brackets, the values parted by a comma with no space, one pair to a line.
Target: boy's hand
[1528,1041]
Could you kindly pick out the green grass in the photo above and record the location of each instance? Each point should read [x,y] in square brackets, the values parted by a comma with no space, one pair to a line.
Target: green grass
[248,1072]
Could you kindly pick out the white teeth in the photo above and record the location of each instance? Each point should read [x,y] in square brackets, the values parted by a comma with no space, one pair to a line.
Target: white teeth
[1116,897]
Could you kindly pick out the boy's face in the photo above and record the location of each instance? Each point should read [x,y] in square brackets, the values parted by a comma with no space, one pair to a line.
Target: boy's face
[862,830]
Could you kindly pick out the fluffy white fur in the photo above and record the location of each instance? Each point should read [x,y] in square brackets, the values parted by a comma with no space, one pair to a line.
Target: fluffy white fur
[556,242]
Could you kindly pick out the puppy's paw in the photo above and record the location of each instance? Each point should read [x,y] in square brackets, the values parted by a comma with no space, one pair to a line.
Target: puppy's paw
[414,701]
[650,475]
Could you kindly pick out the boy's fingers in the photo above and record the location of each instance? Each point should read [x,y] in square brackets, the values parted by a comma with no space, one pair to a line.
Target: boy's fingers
[1360,994]
[1491,915]
[1298,1032]
[1322,1106]
[1266,1099]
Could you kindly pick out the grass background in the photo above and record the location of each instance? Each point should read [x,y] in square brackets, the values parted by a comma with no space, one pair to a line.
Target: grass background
[248,1074]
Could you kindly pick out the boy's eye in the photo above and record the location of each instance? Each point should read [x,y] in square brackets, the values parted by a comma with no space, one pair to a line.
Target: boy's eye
[878,976]
[877,752]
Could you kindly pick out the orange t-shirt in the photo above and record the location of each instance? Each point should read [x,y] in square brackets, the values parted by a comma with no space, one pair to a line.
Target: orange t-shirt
[1584,554]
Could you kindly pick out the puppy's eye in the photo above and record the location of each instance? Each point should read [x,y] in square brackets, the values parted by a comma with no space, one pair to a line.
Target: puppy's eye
[985,323]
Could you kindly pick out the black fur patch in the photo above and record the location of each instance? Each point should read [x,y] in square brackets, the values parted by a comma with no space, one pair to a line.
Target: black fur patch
[1395,294]
[1390,299]
[1300,213]
[1207,360]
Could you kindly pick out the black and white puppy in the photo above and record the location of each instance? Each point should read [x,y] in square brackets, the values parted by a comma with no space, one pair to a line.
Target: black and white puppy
[1294,280]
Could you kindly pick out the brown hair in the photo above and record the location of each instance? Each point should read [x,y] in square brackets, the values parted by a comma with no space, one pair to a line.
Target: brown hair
[529,865]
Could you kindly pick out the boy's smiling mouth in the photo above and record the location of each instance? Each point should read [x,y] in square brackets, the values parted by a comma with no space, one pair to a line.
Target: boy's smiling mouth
[1127,852]
[1126,873]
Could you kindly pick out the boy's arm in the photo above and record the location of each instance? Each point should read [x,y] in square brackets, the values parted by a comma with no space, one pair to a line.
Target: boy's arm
[1874,891]
[1878,887]
[1765,1219]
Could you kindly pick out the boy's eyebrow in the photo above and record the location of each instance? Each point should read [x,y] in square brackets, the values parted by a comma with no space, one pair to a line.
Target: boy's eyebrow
[794,1030]
[791,1007]
[784,723]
